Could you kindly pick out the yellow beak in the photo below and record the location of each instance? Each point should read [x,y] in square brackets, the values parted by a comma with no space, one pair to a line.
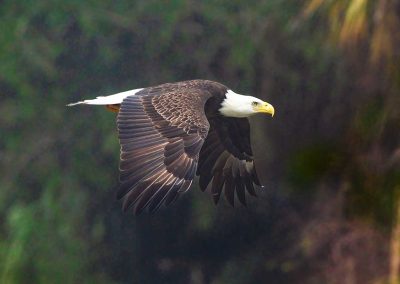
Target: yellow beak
[266,108]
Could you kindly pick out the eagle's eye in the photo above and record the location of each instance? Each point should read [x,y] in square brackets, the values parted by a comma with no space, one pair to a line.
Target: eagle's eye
[254,104]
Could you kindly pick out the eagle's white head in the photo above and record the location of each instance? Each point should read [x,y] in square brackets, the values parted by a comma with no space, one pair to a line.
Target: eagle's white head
[235,105]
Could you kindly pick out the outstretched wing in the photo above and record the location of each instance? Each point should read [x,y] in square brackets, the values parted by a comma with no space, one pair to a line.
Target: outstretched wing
[161,131]
[226,159]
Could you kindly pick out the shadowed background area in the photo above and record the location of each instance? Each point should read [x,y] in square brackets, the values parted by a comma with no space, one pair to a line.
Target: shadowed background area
[329,158]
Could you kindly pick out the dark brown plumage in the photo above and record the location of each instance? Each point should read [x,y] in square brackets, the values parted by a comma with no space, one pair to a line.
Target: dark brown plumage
[172,132]
[166,138]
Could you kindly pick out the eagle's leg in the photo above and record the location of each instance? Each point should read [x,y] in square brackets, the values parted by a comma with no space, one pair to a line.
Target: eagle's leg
[113,108]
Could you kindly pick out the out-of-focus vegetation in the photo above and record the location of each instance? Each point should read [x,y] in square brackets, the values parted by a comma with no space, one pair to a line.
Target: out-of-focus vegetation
[330,157]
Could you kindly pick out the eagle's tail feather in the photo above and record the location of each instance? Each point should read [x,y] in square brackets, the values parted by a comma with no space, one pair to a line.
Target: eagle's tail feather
[108,100]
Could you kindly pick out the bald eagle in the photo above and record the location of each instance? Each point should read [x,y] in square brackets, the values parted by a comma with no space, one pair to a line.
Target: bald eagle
[172,132]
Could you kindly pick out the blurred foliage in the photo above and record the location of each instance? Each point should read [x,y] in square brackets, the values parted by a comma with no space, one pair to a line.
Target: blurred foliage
[330,157]
[355,21]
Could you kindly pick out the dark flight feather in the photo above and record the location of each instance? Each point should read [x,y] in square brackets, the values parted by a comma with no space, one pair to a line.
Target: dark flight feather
[228,162]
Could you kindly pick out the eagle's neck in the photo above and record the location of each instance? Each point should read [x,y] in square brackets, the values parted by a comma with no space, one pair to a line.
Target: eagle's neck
[236,105]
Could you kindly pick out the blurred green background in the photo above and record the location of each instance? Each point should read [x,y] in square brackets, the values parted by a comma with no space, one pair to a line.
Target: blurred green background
[329,158]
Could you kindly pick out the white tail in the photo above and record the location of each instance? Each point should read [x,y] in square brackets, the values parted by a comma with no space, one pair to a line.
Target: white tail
[108,100]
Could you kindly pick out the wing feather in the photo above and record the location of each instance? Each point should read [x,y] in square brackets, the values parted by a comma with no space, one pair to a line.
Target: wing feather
[152,190]
[138,154]
[216,187]
[144,162]
[159,148]
[226,161]
[173,194]
[128,184]
[158,198]
[240,190]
